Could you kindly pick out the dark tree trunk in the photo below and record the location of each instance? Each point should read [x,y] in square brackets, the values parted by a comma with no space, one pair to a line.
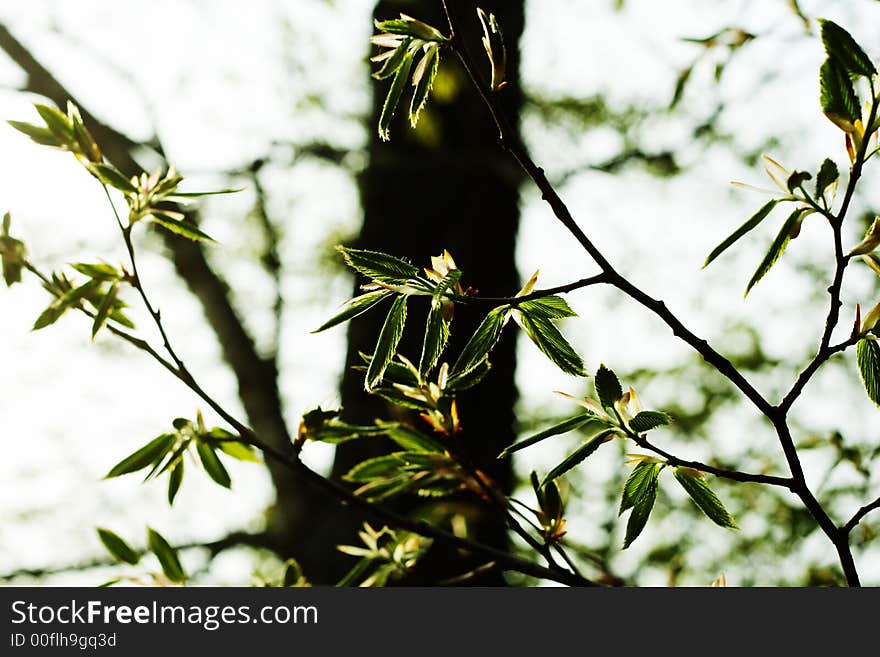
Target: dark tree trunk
[446,185]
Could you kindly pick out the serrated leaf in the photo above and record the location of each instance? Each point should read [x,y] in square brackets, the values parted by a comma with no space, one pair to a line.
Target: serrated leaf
[548,339]
[175,479]
[179,226]
[837,96]
[104,309]
[468,378]
[423,79]
[551,307]
[379,266]
[409,26]
[777,248]
[386,346]
[827,176]
[607,387]
[749,225]
[117,546]
[212,464]
[393,63]
[401,78]
[639,494]
[647,420]
[411,439]
[703,496]
[579,455]
[110,175]
[374,468]
[558,429]
[436,337]
[868,358]
[841,47]
[38,134]
[151,453]
[482,341]
[355,307]
[166,555]
[99,270]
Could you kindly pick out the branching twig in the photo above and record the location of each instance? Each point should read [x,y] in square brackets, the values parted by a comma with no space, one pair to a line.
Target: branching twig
[853,522]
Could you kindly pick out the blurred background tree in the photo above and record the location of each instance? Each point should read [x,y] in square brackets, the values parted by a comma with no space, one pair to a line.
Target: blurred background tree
[606,119]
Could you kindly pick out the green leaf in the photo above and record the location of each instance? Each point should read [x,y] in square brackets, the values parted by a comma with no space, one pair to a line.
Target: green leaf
[607,387]
[423,80]
[99,270]
[777,248]
[828,175]
[175,479]
[393,63]
[639,493]
[374,468]
[39,134]
[386,346]
[647,420]
[703,497]
[238,450]
[552,307]
[468,378]
[482,341]
[293,574]
[117,546]
[110,175]
[837,96]
[147,455]
[408,26]
[401,78]
[842,48]
[411,439]
[57,122]
[212,464]
[749,225]
[379,266]
[104,309]
[549,340]
[796,179]
[560,428]
[167,556]
[48,317]
[183,197]
[436,337]
[179,227]
[355,307]
[868,357]
[69,299]
[579,455]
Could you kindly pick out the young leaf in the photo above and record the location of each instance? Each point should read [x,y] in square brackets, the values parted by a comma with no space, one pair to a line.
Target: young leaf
[639,493]
[409,26]
[386,346]
[100,270]
[393,98]
[552,307]
[549,340]
[393,63]
[423,80]
[355,307]
[379,266]
[293,574]
[175,479]
[647,420]
[110,175]
[837,96]
[827,176]
[579,455]
[749,225]
[150,453]
[791,225]
[238,450]
[482,341]
[607,387]
[57,122]
[868,357]
[179,227]
[49,316]
[212,464]
[38,134]
[565,426]
[468,378]
[167,556]
[796,179]
[117,546]
[436,337]
[104,309]
[411,439]
[374,468]
[699,491]
[842,48]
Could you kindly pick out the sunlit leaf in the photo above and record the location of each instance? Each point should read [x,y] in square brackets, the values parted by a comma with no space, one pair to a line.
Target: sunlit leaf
[837,95]
[560,428]
[580,454]
[436,337]
[212,464]
[423,79]
[647,420]
[550,307]
[548,339]
[355,307]
[842,48]
[180,227]
[470,377]
[393,62]
[639,494]
[868,357]
[699,491]
[608,387]
[386,346]
[38,134]
[167,556]
[752,223]
[117,546]
[379,266]
[110,175]
[401,79]
[482,341]
[175,479]
[826,179]
[104,309]
[147,455]
[777,248]
[56,121]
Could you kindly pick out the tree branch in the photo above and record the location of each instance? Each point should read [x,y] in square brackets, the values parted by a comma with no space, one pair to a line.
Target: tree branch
[853,522]
[537,294]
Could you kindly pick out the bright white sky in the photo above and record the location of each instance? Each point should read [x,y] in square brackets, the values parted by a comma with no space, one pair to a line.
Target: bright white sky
[219,85]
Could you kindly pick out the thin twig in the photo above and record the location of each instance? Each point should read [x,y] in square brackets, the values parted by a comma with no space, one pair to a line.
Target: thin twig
[853,522]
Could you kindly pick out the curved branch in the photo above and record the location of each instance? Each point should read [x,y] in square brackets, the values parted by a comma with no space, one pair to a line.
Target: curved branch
[853,522]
